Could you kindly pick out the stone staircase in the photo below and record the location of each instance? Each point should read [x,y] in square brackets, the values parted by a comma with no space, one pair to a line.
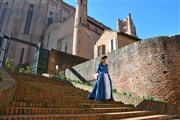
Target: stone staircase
[40,98]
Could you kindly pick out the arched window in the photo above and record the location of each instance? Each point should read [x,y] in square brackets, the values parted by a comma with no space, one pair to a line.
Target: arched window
[3,15]
[28,20]
[50,18]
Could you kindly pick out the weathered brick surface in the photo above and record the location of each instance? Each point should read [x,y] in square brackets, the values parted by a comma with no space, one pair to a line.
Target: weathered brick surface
[149,67]
[7,88]
[63,60]
[42,98]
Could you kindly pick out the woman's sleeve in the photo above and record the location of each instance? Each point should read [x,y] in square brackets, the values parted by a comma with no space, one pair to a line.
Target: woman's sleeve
[97,68]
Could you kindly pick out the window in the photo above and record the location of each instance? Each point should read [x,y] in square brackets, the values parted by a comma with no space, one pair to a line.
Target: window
[101,50]
[80,19]
[22,55]
[48,38]
[3,15]
[50,18]
[1,41]
[112,44]
[28,20]
[66,48]
[59,45]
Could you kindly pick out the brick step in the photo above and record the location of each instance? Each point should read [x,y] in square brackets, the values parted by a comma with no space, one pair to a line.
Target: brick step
[52,96]
[68,105]
[29,110]
[151,117]
[96,116]
[50,100]
[60,90]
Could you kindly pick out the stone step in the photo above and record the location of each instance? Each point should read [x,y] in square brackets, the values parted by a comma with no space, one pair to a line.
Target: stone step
[151,117]
[31,110]
[96,116]
[68,105]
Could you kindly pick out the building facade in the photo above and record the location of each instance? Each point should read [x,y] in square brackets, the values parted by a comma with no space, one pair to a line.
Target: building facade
[54,23]
[111,41]
[28,20]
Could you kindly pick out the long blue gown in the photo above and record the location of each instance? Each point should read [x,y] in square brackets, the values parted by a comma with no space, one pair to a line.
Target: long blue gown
[98,92]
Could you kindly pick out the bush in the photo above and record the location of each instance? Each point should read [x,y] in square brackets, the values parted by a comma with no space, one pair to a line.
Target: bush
[114,90]
[28,70]
[9,64]
[129,94]
[149,98]
[123,93]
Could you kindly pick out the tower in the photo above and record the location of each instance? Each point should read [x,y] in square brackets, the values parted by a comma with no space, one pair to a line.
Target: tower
[80,20]
[127,26]
[130,26]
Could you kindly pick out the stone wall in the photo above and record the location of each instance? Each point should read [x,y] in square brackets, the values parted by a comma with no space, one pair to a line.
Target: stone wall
[145,68]
[63,60]
[7,88]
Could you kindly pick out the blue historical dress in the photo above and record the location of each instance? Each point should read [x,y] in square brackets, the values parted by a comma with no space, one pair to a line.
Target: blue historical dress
[103,87]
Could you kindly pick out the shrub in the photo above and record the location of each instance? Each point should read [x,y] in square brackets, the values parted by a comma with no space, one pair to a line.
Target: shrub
[123,93]
[114,90]
[149,98]
[28,69]
[129,94]
[9,64]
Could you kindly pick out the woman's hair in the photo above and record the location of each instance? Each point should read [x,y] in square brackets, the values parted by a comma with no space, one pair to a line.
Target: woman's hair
[102,58]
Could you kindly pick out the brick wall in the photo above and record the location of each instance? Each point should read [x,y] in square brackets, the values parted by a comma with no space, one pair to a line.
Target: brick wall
[63,60]
[149,67]
[7,88]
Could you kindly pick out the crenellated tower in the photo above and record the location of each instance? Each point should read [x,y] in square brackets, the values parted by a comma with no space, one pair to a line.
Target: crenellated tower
[80,20]
[127,26]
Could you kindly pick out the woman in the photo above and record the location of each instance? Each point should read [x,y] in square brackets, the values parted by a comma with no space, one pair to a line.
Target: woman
[103,86]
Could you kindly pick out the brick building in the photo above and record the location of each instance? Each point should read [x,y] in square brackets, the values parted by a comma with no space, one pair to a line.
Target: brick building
[55,24]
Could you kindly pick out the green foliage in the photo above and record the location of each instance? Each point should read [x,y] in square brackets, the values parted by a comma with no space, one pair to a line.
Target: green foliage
[159,100]
[75,81]
[124,93]
[114,90]
[150,98]
[28,69]
[129,94]
[9,64]
[143,97]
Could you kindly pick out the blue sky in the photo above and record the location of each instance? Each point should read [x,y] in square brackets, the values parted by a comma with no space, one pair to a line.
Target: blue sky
[151,17]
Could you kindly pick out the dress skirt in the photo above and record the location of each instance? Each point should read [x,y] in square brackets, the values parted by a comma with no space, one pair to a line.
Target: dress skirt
[103,88]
